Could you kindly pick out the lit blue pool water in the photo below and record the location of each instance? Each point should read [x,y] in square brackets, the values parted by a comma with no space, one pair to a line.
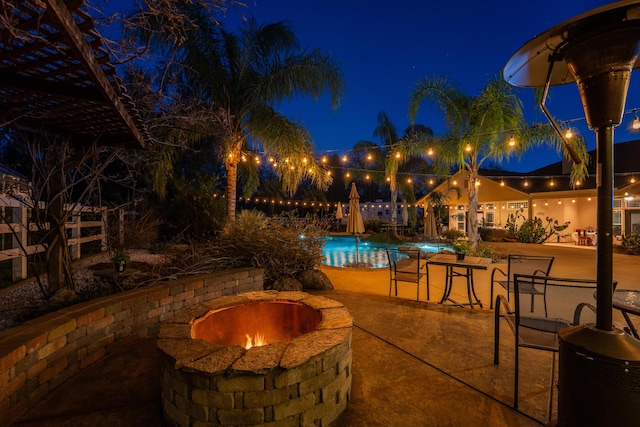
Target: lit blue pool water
[341,250]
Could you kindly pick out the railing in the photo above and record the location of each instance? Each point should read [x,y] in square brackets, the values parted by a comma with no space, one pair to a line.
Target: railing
[85,225]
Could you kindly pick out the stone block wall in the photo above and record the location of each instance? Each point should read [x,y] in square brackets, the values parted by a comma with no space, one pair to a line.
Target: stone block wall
[41,354]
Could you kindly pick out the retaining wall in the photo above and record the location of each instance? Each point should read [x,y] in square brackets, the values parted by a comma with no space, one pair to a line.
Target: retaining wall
[41,354]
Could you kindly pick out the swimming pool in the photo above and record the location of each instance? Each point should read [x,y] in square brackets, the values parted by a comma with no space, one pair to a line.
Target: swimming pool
[341,250]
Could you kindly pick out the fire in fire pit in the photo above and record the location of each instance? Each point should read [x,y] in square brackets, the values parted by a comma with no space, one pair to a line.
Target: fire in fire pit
[257,358]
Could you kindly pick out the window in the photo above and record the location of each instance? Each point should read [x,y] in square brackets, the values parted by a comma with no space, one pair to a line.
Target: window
[489,218]
[460,207]
[461,222]
[514,206]
[617,203]
[617,223]
[490,206]
[635,203]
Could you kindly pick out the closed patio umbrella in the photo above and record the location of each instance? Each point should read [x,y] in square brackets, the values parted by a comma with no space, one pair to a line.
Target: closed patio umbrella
[339,215]
[430,223]
[405,215]
[355,225]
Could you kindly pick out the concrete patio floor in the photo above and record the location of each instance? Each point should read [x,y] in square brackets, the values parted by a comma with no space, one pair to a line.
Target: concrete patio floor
[415,363]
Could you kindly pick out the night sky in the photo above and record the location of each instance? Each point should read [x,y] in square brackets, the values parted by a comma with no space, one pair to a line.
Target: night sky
[385,47]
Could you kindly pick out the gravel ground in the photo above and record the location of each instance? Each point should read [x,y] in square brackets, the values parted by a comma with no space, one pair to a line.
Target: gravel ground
[21,301]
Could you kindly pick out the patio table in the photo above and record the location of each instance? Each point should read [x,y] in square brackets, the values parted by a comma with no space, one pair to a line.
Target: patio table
[465,269]
[628,302]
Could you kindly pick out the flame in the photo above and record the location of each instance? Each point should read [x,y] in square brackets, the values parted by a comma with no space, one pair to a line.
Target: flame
[257,340]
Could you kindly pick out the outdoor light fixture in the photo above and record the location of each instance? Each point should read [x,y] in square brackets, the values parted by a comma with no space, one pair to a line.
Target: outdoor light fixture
[369,156]
[345,158]
[632,180]
[568,134]
[430,152]
[599,366]
[467,148]
[324,159]
[512,142]
[398,155]
[636,121]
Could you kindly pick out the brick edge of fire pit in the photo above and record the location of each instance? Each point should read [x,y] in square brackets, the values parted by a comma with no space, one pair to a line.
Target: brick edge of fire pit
[304,382]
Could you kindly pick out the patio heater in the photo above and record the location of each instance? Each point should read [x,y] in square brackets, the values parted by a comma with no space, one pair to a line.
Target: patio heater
[599,365]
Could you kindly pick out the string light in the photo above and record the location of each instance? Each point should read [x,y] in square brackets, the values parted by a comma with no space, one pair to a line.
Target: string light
[636,122]
[345,159]
[398,155]
[369,156]
[467,148]
[512,142]
[568,134]
[324,159]
[430,152]
[632,180]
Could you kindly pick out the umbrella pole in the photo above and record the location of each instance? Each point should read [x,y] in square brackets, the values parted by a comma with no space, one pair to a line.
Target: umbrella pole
[357,254]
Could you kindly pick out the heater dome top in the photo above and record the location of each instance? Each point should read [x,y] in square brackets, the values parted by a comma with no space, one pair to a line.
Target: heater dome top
[529,66]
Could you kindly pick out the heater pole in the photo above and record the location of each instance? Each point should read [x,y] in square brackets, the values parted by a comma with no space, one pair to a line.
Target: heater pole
[604,250]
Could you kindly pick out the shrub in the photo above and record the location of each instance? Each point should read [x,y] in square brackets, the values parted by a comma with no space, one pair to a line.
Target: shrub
[384,238]
[284,246]
[631,243]
[488,251]
[373,225]
[532,230]
[453,234]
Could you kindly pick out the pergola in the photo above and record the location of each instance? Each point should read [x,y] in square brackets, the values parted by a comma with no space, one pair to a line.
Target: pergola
[55,76]
[56,79]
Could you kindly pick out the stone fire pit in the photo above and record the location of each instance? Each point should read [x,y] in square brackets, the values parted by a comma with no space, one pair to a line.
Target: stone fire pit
[300,376]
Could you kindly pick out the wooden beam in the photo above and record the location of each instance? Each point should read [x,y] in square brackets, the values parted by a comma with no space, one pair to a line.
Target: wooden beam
[58,12]
[34,84]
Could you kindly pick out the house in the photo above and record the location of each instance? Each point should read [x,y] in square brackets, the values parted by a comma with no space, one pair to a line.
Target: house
[546,192]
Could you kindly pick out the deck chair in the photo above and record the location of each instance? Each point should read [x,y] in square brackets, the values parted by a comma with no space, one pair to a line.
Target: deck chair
[565,301]
[407,265]
[521,264]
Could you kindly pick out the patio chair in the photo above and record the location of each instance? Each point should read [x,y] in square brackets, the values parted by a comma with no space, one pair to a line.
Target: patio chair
[407,265]
[565,301]
[534,265]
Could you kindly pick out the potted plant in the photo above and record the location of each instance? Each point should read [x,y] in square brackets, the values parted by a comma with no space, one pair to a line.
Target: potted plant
[120,259]
[461,248]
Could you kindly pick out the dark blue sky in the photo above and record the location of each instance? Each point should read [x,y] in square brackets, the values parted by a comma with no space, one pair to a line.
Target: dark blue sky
[385,47]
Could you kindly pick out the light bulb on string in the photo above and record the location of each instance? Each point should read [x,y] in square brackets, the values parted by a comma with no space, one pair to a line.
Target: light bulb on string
[430,152]
[568,133]
[369,156]
[512,142]
[636,122]
[468,148]
[345,159]
[398,155]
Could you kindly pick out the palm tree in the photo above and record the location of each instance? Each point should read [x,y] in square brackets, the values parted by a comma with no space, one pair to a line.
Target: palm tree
[241,78]
[399,151]
[476,127]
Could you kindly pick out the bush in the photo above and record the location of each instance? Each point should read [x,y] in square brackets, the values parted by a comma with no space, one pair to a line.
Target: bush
[532,230]
[384,238]
[453,234]
[631,243]
[373,225]
[283,246]
[488,251]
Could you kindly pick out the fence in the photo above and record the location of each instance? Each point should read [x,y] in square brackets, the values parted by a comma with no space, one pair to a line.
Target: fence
[85,225]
